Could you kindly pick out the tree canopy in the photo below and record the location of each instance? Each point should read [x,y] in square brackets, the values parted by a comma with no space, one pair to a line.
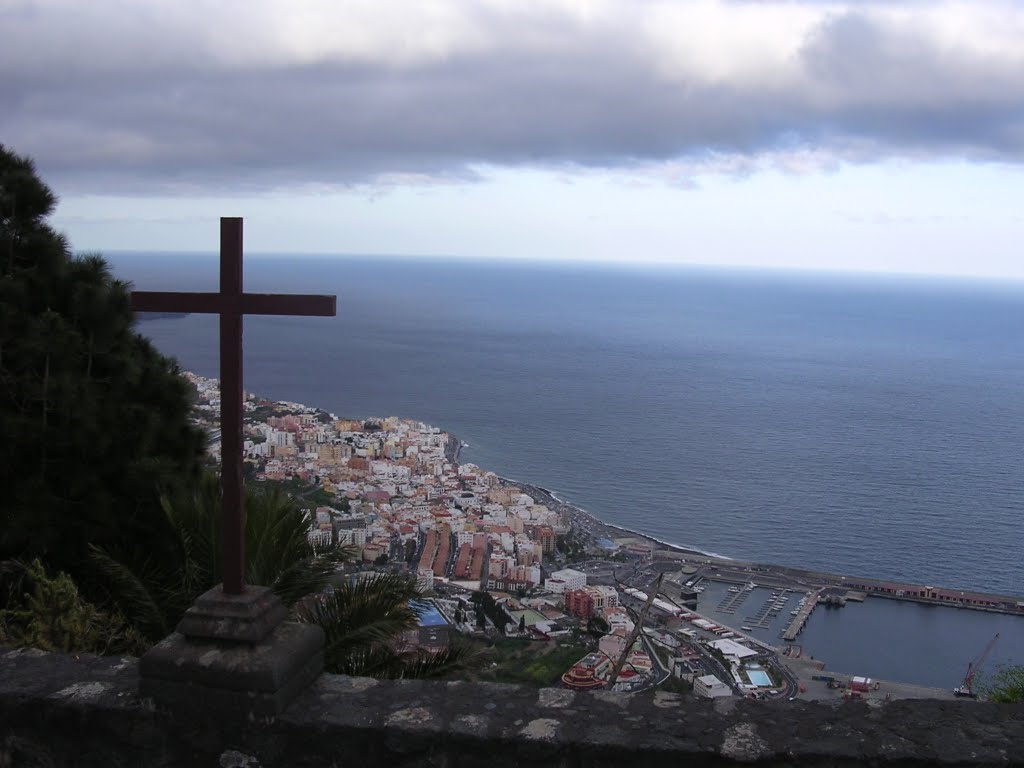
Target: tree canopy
[101,481]
[94,418]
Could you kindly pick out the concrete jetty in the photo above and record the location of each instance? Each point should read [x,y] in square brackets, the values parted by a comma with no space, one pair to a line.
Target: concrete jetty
[796,626]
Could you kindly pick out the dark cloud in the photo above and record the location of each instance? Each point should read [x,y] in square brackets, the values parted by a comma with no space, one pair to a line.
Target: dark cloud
[162,112]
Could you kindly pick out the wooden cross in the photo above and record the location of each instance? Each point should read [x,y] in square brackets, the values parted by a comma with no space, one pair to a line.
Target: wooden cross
[231,303]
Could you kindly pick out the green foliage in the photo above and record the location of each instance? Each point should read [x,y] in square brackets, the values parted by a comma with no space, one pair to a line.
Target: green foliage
[94,419]
[309,494]
[663,654]
[496,613]
[569,546]
[1006,686]
[49,613]
[597,626]
[365,623]
[718,655]
[526,662]
[153,588]
[673,684]
[101,473]
[321,498]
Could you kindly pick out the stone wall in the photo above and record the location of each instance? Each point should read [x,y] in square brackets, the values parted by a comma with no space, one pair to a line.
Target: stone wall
[85,711]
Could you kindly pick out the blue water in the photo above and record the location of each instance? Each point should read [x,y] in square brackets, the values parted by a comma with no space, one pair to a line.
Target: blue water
[880,638]
[759,678]
[911,643]
[428,616]
[857,425]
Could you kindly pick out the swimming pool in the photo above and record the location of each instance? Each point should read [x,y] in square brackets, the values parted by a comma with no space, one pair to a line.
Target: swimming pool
[428,614]
[759,678]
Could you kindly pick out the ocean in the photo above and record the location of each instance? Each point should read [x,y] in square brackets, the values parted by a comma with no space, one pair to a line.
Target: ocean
[866,425]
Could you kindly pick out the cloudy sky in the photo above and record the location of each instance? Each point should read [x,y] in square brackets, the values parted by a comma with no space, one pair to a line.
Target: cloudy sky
[873,135]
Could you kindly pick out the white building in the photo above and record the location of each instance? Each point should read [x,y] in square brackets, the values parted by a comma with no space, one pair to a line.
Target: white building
[533,574]
[732,650]
[565,580]
[618,621]
[320,538]
[282,439]
[710,687]
[356,536]
[609,597]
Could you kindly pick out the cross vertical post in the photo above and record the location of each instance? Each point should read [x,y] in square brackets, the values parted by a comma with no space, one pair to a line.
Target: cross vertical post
[231,407]
[231,303]
[233,643]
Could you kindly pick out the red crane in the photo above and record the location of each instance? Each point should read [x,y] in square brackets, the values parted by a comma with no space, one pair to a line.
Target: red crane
[966,688]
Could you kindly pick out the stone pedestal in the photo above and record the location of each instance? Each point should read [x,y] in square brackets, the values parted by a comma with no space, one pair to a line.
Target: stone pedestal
[245,618]
[233,654]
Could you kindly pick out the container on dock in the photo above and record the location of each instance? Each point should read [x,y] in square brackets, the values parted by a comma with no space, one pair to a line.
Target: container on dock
[860,683]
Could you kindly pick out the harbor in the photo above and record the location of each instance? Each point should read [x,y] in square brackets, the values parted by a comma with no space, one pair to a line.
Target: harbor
[915,638]
[904,643]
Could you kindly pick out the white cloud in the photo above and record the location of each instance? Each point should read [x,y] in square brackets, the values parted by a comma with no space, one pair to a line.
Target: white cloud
[263,93]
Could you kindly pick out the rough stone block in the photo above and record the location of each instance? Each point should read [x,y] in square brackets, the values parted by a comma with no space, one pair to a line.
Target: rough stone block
[235,678]
[246,618]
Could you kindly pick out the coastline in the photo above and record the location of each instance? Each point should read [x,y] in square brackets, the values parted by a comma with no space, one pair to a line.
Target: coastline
[453,450]
[738,571]
[703,569]
[741,570]
[553,501]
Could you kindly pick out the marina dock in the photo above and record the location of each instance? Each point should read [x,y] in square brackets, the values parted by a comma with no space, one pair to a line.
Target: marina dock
[796,626]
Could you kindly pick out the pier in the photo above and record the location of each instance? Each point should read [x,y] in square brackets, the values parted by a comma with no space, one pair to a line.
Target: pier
[734,600]
[771,608]
[796,626]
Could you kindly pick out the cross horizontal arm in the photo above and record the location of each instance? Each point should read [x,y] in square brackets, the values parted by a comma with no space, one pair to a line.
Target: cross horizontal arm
[247,304]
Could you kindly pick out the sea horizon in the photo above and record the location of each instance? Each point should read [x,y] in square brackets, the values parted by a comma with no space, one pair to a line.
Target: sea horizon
[1000,282]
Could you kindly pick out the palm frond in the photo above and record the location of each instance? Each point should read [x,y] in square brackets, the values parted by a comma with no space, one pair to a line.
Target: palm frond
[153,592]
[396,661]
[360,618]
[379,660]
[421,663]
[134,597]
[366,623]
[307,576]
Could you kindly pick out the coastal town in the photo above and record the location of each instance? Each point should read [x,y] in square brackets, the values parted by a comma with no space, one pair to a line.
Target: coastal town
[552,595]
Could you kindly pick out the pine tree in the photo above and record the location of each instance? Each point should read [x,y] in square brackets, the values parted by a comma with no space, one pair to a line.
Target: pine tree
[94,420]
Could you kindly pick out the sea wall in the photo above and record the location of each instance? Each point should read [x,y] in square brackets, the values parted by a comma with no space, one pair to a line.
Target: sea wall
[85,711]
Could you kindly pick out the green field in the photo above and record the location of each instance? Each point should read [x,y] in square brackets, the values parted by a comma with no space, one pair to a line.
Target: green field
[528,662]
